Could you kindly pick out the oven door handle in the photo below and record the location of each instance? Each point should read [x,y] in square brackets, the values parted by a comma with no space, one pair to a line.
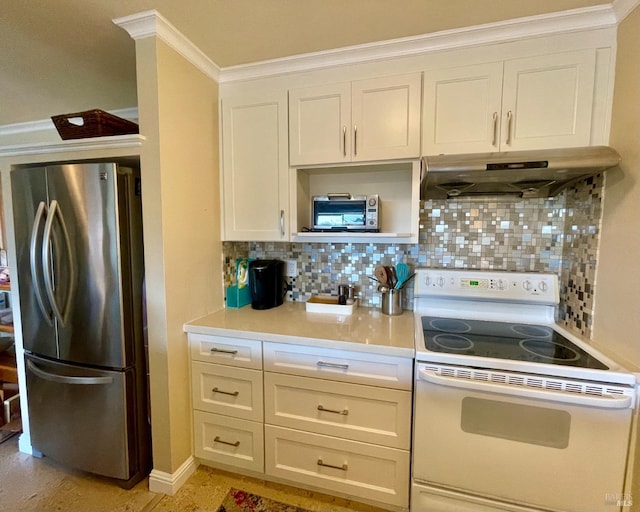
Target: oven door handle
[608,402]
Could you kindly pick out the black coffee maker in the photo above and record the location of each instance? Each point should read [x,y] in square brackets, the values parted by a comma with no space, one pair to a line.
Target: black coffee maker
[266,280]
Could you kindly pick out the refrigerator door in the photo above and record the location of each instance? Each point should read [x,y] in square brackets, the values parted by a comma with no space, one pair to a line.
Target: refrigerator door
[83,417]
[87,229]
[30,211]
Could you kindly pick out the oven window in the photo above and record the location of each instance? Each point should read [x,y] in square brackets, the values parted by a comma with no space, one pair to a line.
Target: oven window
[516,422]
[328,214]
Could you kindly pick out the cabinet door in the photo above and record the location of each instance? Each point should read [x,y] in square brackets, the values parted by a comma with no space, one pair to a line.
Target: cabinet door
[227,390]
[339,365]
[549,100]
[255,170]
[225,350]
[330,464]
[320,124]
[386,117]
[363,413]
[462,109]
[230,441]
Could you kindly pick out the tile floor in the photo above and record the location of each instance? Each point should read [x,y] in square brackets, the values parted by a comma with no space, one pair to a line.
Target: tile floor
[31,484]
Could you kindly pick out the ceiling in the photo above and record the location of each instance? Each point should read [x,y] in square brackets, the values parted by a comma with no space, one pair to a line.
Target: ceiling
[65,56]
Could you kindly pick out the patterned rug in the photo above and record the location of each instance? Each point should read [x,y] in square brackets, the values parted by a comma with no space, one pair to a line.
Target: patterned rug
[242,501]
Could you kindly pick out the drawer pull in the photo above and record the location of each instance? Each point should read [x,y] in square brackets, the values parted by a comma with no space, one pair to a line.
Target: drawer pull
[230,393]
[218,440]
[344,467]
[327,364]
[344,412]
[223,351]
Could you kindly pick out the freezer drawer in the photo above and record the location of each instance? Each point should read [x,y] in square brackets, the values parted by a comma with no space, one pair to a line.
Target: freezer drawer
[83,417]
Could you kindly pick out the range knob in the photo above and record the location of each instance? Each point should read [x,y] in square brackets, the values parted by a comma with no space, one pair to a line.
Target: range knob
[501,285]
[441,282]
[526,284]
[543,286]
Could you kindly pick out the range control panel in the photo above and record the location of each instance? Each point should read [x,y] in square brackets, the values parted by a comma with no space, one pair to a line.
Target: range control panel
[487,285]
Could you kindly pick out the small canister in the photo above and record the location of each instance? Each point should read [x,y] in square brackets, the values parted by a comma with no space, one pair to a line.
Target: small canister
[343,293]
[352,294]
[392,302]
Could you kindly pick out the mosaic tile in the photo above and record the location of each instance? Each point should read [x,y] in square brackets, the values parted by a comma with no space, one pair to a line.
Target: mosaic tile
[558,235]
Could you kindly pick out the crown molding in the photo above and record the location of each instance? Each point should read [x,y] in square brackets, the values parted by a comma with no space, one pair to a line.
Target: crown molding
[574,20]
[151,23]
[90,144]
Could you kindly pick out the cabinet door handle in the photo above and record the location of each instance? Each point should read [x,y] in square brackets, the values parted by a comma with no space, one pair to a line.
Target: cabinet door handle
[344,412]
[282,223]
[355,140]
[509,122]
[344,141]
[224,351]
[344,467]
[494,142]
[218,440]
[230,393]
[327,364]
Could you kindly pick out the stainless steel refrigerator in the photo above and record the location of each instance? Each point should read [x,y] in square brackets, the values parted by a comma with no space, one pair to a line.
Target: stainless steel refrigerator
[78,235]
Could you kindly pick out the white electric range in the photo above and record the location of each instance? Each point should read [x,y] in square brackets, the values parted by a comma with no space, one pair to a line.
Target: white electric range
[512,411]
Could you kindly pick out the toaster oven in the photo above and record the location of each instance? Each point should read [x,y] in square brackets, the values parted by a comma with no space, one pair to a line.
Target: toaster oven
[344,212]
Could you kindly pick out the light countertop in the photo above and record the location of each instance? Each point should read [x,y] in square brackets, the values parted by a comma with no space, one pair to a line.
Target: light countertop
[366,330]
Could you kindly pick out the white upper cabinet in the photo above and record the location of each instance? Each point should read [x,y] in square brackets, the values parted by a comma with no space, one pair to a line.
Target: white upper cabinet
[366,120]
[255,169]
[526,103]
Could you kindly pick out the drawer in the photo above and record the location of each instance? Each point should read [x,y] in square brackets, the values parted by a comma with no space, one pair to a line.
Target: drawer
[363,413]
[342,365]
[227,390]
[230,441]
[223,350]
[348,467]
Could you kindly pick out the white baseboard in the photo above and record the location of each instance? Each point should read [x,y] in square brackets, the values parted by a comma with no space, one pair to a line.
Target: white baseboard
[169,483]
[24,445]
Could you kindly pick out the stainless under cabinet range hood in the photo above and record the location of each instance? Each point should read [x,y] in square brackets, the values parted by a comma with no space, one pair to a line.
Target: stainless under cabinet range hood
[539,173]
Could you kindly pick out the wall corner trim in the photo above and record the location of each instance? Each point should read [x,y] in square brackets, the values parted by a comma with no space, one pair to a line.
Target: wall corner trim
[170,483]
[622,8]
[151,23]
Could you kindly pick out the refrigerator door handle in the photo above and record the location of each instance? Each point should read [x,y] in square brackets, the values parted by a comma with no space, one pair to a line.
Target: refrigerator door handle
[33,249]
[65,379]
[63,315]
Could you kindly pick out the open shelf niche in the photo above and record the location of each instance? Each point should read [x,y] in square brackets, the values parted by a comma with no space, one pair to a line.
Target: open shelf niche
[397,184]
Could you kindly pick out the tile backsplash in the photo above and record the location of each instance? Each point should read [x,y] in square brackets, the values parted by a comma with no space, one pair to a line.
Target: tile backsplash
[558,235]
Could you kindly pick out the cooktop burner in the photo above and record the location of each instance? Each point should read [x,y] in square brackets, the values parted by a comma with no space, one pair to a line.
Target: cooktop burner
[504,340]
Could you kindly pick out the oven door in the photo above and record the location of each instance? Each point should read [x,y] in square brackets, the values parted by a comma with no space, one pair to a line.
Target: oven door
[533,447]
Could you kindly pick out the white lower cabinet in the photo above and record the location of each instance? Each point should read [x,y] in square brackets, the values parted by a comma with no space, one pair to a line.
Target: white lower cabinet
[339,365]
[373,415]
[228,440]
[227,390]
[348,467]
[339,420]
[227,395]
[332,420]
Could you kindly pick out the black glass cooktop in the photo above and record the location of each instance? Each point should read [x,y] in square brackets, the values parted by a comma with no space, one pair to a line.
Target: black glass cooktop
[503,340]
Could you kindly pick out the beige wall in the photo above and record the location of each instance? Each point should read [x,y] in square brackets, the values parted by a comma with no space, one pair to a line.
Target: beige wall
[180,197]
[617,300]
